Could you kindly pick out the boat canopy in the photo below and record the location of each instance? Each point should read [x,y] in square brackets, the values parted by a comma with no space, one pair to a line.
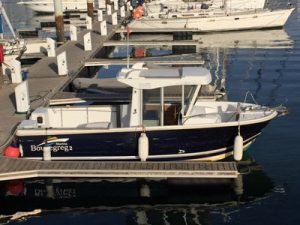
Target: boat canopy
[141,77]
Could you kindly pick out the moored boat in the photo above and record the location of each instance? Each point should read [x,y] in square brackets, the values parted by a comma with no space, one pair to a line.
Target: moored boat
[213,21]
[164,120]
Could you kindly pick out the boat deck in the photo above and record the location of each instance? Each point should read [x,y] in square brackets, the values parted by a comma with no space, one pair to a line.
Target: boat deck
[16,168]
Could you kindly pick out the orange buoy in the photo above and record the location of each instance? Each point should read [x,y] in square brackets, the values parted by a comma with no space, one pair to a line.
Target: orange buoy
[12,151]
[139,53]
[138,12]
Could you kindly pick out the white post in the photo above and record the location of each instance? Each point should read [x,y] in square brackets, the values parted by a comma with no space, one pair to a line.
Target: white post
[108,9]
[100,15]
[51,45]
[73,33]
[114,18]
[62,64]
[47,153]
[15,68]
[22,97]
[122,11]
[103,28]
[128,5]
[116,5]
[87,42]
[89,25]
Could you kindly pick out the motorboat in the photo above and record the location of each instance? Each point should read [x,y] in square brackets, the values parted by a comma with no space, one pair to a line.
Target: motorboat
[47,6]
[164,119]
[212,20]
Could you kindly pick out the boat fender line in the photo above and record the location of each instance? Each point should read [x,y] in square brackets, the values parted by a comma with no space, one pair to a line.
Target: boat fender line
[238,146]
[143,147]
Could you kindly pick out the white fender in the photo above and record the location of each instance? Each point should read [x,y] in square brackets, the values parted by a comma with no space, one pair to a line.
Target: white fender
[143,147]
[238,148]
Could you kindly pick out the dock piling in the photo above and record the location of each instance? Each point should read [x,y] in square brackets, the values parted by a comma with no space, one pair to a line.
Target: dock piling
[15,67]
[89,25]
[114,18]
[122,11]
[108,9]
[51,45]
[90,8]
[62,64]
[116,5]
[22,97]
[103,28]
[73,33]
[59,20]
[87,42]
[100,15]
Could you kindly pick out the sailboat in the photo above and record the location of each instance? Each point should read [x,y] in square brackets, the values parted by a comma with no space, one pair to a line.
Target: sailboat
[211,20]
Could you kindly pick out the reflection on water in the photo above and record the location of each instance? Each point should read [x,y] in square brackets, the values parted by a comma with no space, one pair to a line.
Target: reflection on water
[140,201]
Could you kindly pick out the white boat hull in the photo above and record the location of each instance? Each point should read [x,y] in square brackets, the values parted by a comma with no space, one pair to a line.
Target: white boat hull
[255,20]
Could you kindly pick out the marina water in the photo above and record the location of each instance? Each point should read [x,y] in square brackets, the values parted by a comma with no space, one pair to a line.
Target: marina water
[268,191]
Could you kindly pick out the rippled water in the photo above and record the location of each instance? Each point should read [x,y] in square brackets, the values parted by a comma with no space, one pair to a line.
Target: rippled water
[266,63]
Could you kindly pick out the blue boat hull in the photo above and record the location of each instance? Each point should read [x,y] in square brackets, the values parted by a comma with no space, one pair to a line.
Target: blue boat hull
[181,144]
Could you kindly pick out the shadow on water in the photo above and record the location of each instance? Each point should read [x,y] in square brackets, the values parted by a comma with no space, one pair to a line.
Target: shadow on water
[168,201]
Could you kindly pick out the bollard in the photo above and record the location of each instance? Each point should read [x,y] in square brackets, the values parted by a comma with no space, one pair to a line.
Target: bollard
[108,9]
[100,15]
[22,97]
[128,6]
[89,25]
[62,64]
[47,153]
[103,28]
[116,5]
[15,68]
[73,33]
[114,18]
[87,42]
[51,45]
[122,11]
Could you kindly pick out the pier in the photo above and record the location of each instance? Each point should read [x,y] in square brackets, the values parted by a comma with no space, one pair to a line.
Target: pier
[46,86]
[11,169]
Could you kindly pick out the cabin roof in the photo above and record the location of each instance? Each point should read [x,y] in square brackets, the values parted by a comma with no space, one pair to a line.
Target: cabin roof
[141,77]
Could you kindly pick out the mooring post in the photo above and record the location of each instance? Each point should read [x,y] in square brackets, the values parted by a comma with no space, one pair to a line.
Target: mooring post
[103,28]
[51,45]
[90,8]
[73,33]
[59,20]
[116,5]
[22,97]
[100,15]
[108,9]
[62,65]
[87,42]
[16,75]
[114,18]
[89,24]
[122,11]
[128,6]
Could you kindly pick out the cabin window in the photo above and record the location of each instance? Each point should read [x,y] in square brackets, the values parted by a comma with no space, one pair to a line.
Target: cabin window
[152,107]
[167,105]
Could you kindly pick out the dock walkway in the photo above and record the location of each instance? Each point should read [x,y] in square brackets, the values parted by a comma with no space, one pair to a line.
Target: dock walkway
[43,80]
[14,168]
